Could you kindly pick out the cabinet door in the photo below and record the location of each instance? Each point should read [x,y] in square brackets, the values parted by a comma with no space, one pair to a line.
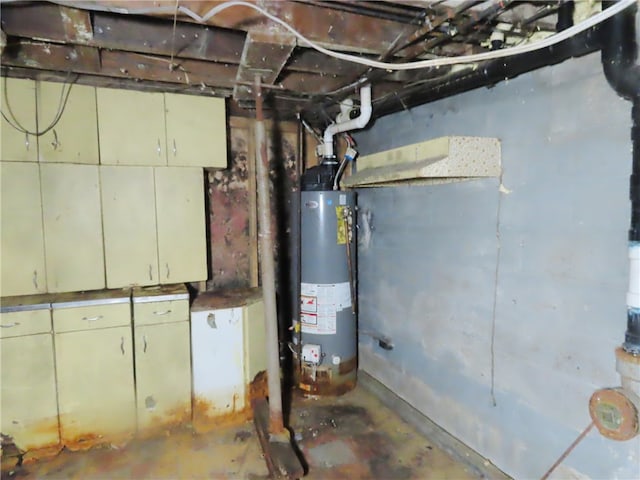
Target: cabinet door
[21,237]
[74,138]
[163,376]
[196,131]
[218,372]
[131,127]
[95,386]
[255,340]
[182,248]
[72,227]
[18,97]
[128,217]
[29,407]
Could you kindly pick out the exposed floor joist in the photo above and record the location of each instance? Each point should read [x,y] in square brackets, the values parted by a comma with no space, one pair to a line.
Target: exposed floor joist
[130,44]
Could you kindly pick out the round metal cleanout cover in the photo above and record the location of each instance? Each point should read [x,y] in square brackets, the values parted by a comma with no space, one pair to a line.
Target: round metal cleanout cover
[613,414]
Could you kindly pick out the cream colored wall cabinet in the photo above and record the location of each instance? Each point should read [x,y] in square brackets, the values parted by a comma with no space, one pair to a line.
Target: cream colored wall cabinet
[29,405]
[95,371]
[131,127]
[145,128]
[21,234]
[196,131]
[154,225]
[73,228]
[163,358]
[18,97]
[128,213]
[182,249]
[74,138]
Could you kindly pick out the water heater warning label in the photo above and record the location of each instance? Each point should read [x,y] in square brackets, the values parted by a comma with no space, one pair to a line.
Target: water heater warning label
[308,304]
[320,304]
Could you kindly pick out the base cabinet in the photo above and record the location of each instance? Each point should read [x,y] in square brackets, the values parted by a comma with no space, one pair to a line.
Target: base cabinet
[163,376]
[78,370]
[29,405]
[95,387]
[163,357]
[227,338]
[94,363]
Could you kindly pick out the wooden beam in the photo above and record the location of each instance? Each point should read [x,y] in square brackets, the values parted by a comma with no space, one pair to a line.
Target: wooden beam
[77,25]
[19,20]
[330,28]
[119,64]
[265,54]
[198,42]
[312,61]
[154,36]
[115,63]
[48,56]
[191,72]
[112,82]
[123,32]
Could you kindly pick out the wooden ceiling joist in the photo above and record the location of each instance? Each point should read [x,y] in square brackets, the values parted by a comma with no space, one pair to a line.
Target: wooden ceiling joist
[335,29]
[265,55]
[133,45]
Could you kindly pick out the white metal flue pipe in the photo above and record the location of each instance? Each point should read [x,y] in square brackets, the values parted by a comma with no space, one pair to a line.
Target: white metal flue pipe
[354,124]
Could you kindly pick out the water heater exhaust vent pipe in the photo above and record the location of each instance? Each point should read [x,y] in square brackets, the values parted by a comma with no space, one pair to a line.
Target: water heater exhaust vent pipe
[354,124]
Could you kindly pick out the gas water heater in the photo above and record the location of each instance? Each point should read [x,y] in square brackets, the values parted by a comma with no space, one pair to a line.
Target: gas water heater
[326,333]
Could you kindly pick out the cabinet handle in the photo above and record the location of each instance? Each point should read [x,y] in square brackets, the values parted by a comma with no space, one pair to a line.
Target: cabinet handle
[26,140]
[10,325]
[150,273]
[159,150]
[168,270]
[35,279]
[55,144]
[144,339]
[175,150]
[164,312]
[92,319]
[122,345]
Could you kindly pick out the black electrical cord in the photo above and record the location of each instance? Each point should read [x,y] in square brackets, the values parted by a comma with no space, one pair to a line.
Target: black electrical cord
[62,103]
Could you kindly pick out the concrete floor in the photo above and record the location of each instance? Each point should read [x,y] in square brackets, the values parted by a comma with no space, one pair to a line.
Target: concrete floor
[353,437]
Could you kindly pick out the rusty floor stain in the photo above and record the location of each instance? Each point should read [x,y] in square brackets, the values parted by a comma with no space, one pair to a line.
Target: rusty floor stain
[352,437]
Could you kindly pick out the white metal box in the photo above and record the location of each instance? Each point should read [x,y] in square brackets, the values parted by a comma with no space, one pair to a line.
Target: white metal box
[228,353]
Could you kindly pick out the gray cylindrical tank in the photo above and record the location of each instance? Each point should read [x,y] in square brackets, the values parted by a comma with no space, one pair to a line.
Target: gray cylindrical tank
[327,302]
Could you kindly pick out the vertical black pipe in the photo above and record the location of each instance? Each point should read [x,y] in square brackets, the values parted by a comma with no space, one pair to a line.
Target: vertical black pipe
[565,15]
[296,243]
[634,182]
[632,336]
[619,54]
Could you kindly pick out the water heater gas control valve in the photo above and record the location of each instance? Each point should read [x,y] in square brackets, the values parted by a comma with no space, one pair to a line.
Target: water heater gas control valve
[311,353]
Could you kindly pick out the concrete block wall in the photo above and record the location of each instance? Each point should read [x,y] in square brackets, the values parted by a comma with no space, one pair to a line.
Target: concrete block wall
[505,297]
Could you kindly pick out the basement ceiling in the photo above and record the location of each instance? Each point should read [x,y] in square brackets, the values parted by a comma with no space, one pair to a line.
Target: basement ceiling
[163,45]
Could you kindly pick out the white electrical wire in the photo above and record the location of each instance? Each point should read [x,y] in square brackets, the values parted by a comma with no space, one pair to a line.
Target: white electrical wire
[438,62]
